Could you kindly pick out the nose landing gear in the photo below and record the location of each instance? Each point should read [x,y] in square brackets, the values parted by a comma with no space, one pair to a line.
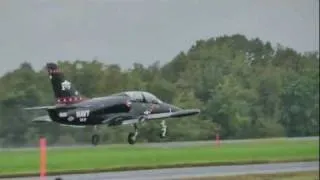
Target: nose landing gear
[132,137]
[163,129]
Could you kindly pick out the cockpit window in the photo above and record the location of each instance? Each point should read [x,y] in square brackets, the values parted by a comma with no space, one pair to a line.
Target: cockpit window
[135,96]
[140,96]
[151,98]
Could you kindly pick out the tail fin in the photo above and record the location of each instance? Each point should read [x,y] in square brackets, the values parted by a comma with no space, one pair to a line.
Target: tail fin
[64,91]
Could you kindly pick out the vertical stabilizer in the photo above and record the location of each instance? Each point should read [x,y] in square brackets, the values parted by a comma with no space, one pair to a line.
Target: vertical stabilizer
[64,91]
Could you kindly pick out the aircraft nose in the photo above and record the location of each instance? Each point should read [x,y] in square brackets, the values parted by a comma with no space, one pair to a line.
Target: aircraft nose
[192,111]
[186,112]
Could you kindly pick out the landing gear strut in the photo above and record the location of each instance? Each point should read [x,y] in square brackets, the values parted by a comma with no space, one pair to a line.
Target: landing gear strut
[132,137]
[163,129]
[95,139]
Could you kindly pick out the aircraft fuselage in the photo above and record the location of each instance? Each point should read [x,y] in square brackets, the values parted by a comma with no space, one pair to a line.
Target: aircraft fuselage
[129,107]
[110,110]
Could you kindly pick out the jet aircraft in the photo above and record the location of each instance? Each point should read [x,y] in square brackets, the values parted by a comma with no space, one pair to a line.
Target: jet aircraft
[124,108]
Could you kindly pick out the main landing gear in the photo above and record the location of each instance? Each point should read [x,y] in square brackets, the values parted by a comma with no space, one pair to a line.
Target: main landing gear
[95,139]
[132,136]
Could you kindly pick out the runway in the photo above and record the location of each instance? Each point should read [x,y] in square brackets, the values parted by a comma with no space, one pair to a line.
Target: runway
[180,173]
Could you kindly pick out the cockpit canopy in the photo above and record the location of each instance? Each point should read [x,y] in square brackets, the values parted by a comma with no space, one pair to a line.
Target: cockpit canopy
[141,96]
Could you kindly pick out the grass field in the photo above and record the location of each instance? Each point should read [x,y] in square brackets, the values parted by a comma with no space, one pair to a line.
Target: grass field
[311,175]
[122,157]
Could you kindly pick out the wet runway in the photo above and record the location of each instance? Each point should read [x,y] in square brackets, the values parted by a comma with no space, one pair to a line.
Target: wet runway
[180,173]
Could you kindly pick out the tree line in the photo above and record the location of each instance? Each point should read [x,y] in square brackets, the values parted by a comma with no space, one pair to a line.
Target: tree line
[245,88]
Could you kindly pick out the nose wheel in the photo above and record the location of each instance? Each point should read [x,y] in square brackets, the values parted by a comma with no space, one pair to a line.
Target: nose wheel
[132,137]
[163,133]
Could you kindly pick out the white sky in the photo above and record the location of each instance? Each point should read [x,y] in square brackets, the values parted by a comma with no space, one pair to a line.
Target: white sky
[127,31]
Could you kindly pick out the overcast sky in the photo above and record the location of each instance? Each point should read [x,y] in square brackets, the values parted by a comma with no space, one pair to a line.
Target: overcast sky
[127,31]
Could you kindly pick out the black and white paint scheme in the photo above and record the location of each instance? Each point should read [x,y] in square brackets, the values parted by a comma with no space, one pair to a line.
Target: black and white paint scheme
[124,108]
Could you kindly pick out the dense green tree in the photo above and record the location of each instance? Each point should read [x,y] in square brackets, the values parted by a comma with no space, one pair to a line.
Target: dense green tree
[245,88]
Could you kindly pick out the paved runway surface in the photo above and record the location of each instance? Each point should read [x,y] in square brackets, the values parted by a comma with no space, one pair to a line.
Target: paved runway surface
[179,173]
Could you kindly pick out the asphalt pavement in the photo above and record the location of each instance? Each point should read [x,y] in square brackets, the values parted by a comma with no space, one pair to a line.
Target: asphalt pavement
[180,173]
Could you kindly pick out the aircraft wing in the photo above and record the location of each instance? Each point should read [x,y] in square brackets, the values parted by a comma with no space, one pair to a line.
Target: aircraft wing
[51,107]
[73,126]
[177,114]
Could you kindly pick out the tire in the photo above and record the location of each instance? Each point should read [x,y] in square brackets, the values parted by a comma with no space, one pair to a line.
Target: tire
[95,139]
[131,140]
[161,136]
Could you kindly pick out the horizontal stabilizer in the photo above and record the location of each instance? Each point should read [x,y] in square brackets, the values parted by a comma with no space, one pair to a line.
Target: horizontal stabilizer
[42,119]
[53,107]
[40,108]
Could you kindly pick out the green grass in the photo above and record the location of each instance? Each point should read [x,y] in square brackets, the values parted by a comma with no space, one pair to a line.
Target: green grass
[126,156]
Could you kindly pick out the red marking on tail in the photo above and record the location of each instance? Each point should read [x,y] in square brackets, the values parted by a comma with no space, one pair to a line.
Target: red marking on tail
[70,100]
[53,71]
